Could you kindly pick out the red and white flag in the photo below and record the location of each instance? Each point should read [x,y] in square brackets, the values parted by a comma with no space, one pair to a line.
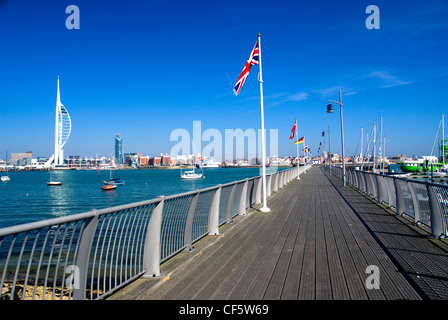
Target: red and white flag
[293,130]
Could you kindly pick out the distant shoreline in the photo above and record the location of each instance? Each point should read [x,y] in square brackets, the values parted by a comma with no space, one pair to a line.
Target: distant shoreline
[140,168]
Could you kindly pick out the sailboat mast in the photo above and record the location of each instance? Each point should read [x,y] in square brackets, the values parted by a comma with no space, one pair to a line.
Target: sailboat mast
[362,140]
[374,146]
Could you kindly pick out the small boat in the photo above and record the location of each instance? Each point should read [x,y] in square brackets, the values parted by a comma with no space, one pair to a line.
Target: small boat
[6,178]
[54,183]
[113,181]
[51,182]
[107,187]
[191,175]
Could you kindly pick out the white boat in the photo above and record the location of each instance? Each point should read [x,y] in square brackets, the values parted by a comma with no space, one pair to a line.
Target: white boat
[6,178]
[191,174]
[54,183]
[209,164]
[51,182]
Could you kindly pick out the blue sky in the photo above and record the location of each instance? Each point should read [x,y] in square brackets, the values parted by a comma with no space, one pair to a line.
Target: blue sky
[146,68]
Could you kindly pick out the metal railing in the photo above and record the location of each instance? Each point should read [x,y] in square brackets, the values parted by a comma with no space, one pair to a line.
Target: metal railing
[90,255]
[425,202]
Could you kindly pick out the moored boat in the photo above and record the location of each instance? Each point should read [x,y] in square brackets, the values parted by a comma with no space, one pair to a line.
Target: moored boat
[107,187]
[54,183]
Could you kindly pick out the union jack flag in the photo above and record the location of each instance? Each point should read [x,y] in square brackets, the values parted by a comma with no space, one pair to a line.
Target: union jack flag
[253,59]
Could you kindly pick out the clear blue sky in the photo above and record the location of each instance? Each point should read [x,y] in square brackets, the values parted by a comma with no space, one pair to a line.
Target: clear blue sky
[145,68]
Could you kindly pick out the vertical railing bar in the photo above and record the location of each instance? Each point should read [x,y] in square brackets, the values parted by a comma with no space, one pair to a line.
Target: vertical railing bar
[57,264]
[111,217]
[141,229]
[5,269]
[68,253]
[42,252]
[18,266]
[188,233]
[30,262]
[100,238]
[124,229]
[131,244]
[112,273]
[128,236]
[141,237]
[47,273]
[106,258]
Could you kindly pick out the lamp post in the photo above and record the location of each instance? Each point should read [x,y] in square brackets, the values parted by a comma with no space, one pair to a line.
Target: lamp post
[330,110]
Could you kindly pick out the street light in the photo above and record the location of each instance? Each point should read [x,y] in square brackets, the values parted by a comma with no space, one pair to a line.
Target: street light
[330,110]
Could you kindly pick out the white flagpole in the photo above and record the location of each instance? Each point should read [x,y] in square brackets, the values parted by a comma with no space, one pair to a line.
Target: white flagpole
[297,140]
[264,207]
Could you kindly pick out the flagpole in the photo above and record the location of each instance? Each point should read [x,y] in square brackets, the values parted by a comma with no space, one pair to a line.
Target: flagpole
[264,207]
[297,143]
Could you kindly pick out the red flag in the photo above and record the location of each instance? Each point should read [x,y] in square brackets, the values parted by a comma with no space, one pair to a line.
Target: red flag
[293,130]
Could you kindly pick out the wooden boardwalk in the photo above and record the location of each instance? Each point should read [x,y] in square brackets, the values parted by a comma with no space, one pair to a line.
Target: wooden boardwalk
[315,244]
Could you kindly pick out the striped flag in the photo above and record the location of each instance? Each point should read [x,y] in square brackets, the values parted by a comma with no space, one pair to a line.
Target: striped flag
[301,140]
[253,60]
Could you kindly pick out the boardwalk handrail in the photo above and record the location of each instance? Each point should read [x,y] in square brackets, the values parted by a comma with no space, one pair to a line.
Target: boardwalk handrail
[425,202]
[89,255]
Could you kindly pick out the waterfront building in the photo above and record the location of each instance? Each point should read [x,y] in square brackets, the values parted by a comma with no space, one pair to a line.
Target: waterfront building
[21,158]
[119,159]
[63,127]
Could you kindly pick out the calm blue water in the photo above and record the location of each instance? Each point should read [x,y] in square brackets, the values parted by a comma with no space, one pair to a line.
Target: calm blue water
[27,198]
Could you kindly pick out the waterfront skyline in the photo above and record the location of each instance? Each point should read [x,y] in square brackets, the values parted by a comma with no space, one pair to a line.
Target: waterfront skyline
[145,69]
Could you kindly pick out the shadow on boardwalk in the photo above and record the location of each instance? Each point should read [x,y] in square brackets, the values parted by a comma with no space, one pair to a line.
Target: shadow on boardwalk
[315,244]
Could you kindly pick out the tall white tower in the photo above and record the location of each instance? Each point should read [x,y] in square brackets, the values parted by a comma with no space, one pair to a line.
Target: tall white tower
[62,131]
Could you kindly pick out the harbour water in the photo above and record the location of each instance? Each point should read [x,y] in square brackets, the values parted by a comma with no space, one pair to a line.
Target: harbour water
[27,198]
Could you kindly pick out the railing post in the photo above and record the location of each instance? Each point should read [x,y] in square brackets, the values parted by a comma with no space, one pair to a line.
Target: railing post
[151,255]
[275,188]
[380,188]
[268,185]
[399,198]
[82,260]
[230,204]
[415,202]
[213,217]
[257,189]
[189,222]
[243,199]
[436,213]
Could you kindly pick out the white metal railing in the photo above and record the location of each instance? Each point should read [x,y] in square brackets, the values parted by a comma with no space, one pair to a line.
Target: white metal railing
[90,255]
[424,202]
